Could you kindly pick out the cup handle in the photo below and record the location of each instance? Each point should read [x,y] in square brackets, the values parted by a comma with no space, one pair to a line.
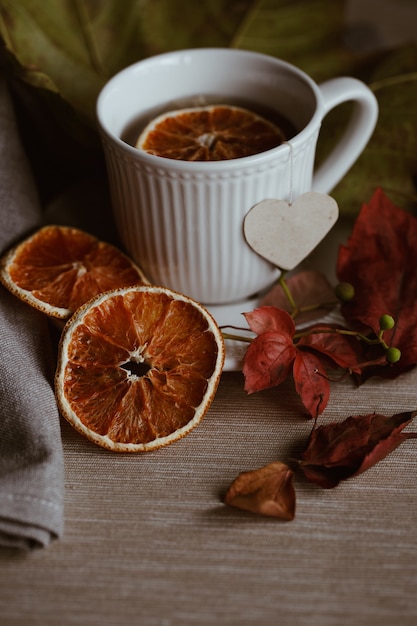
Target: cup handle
[357,134]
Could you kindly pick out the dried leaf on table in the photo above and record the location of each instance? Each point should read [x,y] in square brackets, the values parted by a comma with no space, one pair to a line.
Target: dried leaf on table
[339,451]
[266,491]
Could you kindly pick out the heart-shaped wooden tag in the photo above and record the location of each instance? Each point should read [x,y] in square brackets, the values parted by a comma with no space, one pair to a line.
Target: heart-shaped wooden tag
[284,233]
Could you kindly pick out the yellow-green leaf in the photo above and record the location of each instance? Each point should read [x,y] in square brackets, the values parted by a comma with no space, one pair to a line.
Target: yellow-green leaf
[390,159]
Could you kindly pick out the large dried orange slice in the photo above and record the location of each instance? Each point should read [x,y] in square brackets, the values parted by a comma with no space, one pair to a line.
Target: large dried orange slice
[209,133]
[59,268]
[138,368]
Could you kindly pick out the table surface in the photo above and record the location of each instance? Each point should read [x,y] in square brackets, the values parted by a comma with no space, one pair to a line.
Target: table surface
[148,541]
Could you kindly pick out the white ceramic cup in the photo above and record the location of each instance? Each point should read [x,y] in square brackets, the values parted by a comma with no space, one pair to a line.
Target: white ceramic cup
[182,221]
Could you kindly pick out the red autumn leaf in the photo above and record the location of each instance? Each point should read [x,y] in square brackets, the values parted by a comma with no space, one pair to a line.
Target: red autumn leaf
[269,318]
[269,358]
[311,382]
[339,451]
[344,350]
[266,491]
[268,361]
[272,356]
[380,260]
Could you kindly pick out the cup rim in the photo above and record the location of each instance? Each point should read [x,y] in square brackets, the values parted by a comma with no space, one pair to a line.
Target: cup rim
[209,166]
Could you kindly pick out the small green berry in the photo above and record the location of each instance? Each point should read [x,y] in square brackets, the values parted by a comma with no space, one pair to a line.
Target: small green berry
[393,355]
[386,322]
[344,292]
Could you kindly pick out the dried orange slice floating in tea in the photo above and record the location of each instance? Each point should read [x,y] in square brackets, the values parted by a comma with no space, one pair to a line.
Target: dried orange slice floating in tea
[138,368]
[59,268]
[210,133]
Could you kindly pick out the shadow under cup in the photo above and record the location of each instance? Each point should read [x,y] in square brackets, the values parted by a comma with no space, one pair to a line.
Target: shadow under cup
[181,221]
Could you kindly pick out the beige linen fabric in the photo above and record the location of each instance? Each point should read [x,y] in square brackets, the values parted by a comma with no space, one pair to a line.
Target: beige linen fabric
[149,542]
[31,463]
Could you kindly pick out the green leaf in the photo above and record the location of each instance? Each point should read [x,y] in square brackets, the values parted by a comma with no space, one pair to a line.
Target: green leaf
[70,48]
[73,47]
[58,55]
[168,25]
[307,33]
[390,159]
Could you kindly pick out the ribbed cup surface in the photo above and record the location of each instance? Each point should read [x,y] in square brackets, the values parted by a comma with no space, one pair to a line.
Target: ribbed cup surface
[185,228]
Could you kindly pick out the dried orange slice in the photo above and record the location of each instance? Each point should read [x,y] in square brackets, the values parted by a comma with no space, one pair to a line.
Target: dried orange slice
[210,133]
[138,368]
[59,268]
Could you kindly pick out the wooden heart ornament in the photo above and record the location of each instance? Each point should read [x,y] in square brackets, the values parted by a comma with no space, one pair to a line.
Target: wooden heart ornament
[285,233]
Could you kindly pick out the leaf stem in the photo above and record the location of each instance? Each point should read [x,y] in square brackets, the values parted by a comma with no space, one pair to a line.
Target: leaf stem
[233,337]
[339,331]
[243,27]
[381,340]
[283,284]
[295,309]
[393,80]
[313,307]
[88,37]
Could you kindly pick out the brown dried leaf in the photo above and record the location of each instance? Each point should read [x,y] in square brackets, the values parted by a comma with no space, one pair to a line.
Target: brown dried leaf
[339,451]
[266,491]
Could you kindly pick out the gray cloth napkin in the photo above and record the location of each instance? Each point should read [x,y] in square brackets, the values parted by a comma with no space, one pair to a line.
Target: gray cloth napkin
[31,459]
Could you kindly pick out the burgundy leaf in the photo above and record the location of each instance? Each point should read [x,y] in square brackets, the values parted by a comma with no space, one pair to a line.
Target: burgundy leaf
[266,491]
[344,350]
[339,451]
[311,382]
[269,318]
[268,361]
[380,260]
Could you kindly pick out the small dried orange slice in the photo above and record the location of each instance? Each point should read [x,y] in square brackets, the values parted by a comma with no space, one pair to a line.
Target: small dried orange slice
[138,368]
[59,268]
[210,133]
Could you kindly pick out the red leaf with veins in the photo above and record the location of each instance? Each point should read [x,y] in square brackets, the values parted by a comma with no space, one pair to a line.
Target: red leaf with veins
[380,260]
[268,361]
[269,318]
[344,350]
[341,450]
[269,358]
[272,356]
[311,382]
